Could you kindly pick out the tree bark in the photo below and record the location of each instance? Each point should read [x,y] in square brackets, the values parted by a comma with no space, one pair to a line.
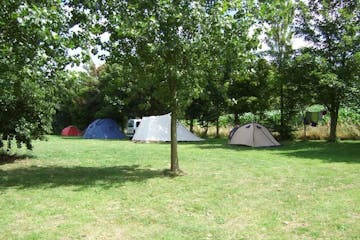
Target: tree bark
[192,125]
[206,129]
[174,155]
[174,162]
[333,123]
[282,117]
[236,119]
[217,128]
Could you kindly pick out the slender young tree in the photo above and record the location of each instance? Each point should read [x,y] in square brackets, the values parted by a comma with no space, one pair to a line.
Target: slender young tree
[233,39]
[160,43]
[278,18]
[166,45]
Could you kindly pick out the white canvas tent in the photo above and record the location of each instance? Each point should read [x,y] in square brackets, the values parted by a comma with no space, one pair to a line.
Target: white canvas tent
[157,129]
[254,135]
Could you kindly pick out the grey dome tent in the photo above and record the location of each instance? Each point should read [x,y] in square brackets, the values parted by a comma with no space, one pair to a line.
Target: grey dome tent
[254,135]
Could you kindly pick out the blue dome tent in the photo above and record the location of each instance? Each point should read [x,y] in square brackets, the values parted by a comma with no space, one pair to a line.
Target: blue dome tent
[103,129]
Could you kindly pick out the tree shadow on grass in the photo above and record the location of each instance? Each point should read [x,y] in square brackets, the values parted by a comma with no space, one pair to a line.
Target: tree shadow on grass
[219,143]
[52,177]
[7,158]
[346,151]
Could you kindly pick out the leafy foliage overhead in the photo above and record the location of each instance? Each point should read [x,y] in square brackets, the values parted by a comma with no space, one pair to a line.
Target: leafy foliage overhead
[34,38]
[333,28]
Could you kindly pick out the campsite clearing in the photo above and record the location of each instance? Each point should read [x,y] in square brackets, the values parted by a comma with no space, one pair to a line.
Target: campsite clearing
[95,189]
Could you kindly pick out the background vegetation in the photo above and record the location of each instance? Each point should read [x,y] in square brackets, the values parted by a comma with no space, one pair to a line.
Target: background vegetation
[199,60]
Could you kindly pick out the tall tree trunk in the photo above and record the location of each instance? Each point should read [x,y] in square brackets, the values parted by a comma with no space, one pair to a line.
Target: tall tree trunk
[282,108]
[206,128]
[334,113]
[217,128]
[174,155]
[192,125]
[174,165]
[236,118]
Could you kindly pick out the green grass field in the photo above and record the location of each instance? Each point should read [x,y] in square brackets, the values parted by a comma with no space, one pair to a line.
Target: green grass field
[92,189]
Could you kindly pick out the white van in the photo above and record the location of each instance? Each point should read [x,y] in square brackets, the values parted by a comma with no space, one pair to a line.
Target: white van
[132,125]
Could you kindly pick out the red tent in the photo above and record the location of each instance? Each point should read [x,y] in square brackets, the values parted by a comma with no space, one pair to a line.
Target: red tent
[71,131]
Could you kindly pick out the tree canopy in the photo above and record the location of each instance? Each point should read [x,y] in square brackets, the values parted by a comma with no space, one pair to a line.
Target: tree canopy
[34,36]
[333,29]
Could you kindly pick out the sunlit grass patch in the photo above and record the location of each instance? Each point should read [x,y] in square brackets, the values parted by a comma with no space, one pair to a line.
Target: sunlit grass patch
[92,189]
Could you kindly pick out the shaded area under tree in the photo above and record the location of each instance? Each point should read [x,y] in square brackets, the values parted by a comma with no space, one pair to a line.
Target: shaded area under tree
[57,176]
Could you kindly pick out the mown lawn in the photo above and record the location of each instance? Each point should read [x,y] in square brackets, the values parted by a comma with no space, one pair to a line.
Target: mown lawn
[91,189]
